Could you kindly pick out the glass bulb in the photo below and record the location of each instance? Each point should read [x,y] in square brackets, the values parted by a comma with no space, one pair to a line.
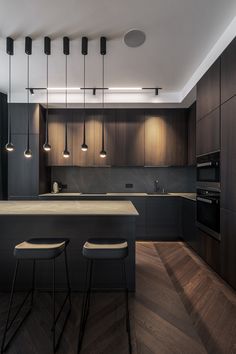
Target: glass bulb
[66,154]
[28,153]
[9,147]
[46,147]
[103,154]
[84,147]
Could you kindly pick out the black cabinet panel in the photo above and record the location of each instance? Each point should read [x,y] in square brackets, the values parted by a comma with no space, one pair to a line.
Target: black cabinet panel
[228,72]
[228,154]
[208,91]
[192,135]
[228,240]
[189,233]
[163,218]
[210,250]
[208,133]
[19,114]
[23,173]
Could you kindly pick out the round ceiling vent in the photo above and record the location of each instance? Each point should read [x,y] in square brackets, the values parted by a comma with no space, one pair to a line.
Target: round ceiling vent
[134,38]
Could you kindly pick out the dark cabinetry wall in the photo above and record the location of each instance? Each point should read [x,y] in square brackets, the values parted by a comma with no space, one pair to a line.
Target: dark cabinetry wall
[3,141]
[191,114]
[208,133]
[228,72]
[188,218]
[210,250]
[133,137]
[27,177]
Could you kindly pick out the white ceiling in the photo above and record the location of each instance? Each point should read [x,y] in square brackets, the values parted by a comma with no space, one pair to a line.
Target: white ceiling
[183,38]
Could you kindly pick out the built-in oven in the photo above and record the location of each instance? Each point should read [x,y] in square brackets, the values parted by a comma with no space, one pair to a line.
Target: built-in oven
[208,170]
[208,211]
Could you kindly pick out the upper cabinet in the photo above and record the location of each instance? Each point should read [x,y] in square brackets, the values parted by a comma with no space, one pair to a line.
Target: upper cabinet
[228,72]
[208,91]
[208,133]
[192,135]
[56,131]
[166,138]
[129,138]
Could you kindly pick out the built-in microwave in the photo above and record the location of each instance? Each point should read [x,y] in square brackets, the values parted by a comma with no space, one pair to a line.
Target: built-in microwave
[208,170]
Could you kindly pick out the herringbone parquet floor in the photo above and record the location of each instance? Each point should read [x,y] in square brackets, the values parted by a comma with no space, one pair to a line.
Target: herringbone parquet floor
[166,316]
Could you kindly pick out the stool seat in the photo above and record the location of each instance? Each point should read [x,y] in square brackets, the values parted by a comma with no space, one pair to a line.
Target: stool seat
[105,248]
[40,248]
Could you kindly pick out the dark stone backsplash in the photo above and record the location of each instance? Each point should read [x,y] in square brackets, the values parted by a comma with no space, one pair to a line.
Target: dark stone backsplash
[114,179]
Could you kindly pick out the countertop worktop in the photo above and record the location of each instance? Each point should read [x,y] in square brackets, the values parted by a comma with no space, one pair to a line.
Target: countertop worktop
[191,196]
[80,208]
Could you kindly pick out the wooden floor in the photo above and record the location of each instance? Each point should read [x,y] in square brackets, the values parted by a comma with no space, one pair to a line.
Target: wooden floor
[180,306]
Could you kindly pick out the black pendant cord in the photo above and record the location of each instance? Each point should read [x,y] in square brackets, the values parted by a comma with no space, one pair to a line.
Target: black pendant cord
[103,119]
[46,131]
[28,113]
[9,101]
[84,134]
[66,103]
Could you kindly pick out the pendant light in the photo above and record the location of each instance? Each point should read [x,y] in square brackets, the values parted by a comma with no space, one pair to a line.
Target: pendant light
[28,52]
[47,51]
[66,51]
[103,41]
[84,146]
[10,51]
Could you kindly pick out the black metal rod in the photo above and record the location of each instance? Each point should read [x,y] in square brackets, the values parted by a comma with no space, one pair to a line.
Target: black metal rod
[28,113]
[53,305]
[9,101]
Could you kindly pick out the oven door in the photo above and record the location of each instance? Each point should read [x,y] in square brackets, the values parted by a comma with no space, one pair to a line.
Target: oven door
[208,170]
[208,215]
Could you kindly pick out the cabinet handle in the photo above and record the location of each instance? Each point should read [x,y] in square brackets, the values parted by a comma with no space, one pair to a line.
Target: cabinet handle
[204,164]
[204,200]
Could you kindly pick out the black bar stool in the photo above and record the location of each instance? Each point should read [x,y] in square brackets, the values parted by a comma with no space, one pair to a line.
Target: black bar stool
[102,249]
[38,249]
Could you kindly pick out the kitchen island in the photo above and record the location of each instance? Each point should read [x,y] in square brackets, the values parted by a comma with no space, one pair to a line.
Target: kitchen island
[76,220]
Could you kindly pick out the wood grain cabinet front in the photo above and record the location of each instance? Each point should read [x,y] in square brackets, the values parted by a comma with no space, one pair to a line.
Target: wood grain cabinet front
[208,133]
[228,72]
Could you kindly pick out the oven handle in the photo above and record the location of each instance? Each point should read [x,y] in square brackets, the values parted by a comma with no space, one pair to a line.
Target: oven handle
[204,200]
[204,164]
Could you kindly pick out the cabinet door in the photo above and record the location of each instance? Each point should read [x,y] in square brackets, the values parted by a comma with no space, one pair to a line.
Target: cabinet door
[83,158]
[166,138]
[228,154]
[163,218]
[228,72]
[192,135]
[208,91]
[189,224]
[228,240]
[208,133]
[129,138]
[56,129]
[210,250]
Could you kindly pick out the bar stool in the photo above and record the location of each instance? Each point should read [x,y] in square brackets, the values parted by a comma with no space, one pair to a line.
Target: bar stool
[102,249]
[38,249]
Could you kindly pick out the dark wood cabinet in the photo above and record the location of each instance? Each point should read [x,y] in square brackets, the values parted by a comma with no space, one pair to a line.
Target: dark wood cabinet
[228,72]
[208,133]
[191,114]
[166,138]
[163,218]
[129,138]
[228,252]
[228,154]
[56,131]
[189,233]
[208,91]
[210,250]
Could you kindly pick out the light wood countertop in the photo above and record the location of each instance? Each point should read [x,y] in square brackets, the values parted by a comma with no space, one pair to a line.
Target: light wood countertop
[80,208]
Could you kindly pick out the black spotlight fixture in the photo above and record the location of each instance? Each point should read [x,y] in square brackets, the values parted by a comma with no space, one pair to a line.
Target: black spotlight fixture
[103,42]
[84,51]
[47,51]
[10,51]
[28,52]
[66,51]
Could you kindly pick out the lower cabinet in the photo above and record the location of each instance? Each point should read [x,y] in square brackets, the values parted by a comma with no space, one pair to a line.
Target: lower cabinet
[189,233]
[163,218]
[210,249]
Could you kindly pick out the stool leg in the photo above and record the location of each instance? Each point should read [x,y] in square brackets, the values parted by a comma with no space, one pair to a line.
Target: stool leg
[10,305]
[67,277]
[127,307]
[33,285]
[53,307]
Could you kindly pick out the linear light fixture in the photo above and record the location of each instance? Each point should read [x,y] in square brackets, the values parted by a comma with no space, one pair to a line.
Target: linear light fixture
[47,51]
[103,51]
[84,51]
[10,51]
[28,52]
[125,88]
[66,51]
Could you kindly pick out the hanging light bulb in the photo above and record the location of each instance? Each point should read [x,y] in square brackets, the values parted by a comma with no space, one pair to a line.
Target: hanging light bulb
[47,51]
[84,146]
[28,52]
[10,51]
[103,40]
[66,51]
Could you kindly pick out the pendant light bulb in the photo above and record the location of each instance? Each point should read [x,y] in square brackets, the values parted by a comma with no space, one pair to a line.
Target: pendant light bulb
[46,147]
[28,153]
[103,154]
[9,147]
[84,147]
[66,154]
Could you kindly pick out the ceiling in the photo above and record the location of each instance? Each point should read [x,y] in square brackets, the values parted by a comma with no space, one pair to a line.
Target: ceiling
[183,38]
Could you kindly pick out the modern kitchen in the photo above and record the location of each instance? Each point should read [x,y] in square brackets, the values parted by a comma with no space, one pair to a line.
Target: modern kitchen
[117,167]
